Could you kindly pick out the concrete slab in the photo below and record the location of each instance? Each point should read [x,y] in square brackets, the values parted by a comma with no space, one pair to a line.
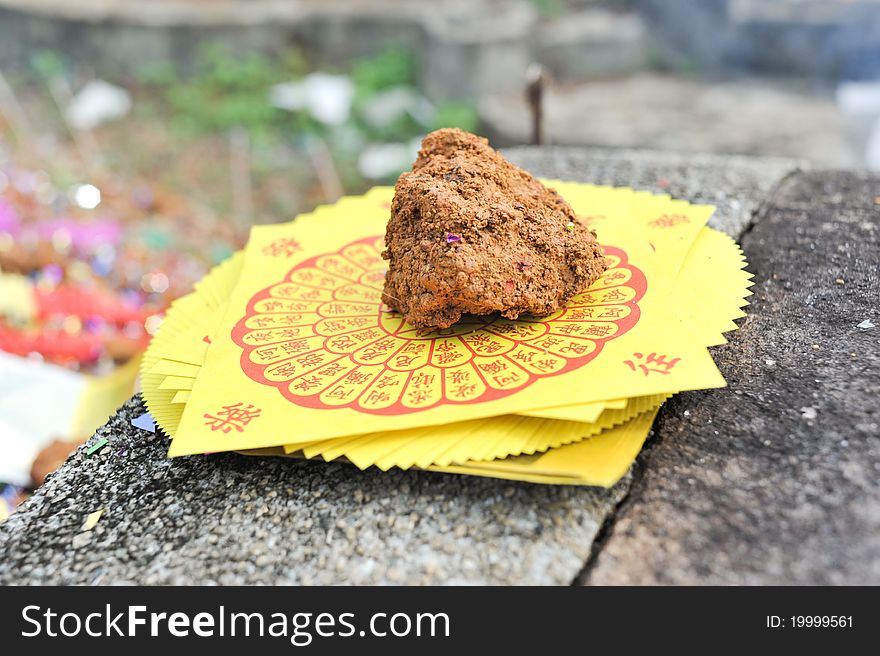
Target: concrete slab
[735,185]
[236,520]
[776,479]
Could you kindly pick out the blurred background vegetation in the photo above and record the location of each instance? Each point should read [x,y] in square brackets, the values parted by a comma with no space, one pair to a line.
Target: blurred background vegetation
[180,126]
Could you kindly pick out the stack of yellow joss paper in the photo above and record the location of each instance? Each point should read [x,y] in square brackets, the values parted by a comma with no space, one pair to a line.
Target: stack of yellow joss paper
[287,350]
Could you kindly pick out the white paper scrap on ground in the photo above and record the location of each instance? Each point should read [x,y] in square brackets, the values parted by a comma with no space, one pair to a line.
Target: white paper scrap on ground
[37,405]
[96,103]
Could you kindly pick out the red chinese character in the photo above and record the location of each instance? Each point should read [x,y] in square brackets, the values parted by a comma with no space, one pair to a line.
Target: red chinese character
[669,221]
[284,370]
[463,391]
[614,295]
[296,346]
[580,314]
[418,397]
[340,392]
[525,332]
[331,369]
[545,365]
[284,247]
[264,321]
[575,347]
[343,342]
[445,357]
[598,330]
[311,360]
[609,278]
[387,381]
[493,367]
[307,383]
[235,416]
[356,377]
[375,396]
[523,356]
[483,343]
[549,342]
[378,350]
[652,363]
[459,377]
[404,360]
[335,326]
[422,380]
[385,344]
[478,341]
[372,353]
[506,379]
[343,269]
[267,353]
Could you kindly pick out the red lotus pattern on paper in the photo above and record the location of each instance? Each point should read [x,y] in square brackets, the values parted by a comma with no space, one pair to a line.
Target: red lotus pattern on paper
[323,337]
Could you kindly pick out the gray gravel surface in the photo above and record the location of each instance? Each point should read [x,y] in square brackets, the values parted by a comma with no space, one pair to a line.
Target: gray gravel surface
[233,519]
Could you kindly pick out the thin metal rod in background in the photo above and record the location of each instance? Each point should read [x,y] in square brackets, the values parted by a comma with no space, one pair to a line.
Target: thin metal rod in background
[325,169]
[240,176]
[535,97]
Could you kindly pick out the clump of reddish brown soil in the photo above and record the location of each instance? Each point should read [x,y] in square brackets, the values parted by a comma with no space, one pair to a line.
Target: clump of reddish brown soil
[470,233]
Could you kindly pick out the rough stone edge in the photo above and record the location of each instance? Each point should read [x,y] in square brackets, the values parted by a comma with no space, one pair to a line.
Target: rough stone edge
[643,460]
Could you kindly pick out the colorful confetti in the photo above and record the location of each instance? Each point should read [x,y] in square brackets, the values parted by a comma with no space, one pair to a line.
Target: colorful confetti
[144,422]
[97,446]
[92,520]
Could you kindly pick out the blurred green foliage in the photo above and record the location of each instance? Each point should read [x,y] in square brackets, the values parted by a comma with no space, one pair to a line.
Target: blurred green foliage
[221,91]
[394,67]
[227,91]
[48,64]
[456,115]
[548,8]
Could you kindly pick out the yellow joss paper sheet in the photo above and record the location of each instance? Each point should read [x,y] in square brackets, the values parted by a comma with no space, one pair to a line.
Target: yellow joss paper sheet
[481,439]
[306,349]
[646,212]
[599,461]
[713,302]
